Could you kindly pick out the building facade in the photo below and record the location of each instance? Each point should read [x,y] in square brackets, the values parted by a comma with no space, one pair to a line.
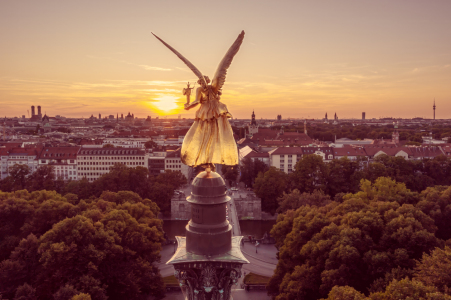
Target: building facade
[18,156]
[62,159]
[93,163]
[173,162]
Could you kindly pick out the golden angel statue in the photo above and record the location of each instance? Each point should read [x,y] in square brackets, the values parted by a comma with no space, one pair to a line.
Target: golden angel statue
[210,139]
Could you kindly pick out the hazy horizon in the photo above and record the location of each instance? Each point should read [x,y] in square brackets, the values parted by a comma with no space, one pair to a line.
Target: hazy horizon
[298,59]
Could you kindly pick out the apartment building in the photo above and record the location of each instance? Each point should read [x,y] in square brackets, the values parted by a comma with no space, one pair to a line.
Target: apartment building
[173,162]
[285,158]
[156,162]
[62,159]
[126,142]
[93,163]
[20,156]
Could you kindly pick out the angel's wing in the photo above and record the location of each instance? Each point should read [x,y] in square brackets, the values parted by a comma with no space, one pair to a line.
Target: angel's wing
[187,62]
[221,71]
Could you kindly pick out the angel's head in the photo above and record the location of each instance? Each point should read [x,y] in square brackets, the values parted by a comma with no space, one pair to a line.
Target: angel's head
[207,80]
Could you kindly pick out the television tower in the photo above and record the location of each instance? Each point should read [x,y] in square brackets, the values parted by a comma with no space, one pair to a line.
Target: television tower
[434,108]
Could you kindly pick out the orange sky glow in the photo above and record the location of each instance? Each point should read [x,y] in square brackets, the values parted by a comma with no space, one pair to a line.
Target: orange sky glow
[298,59]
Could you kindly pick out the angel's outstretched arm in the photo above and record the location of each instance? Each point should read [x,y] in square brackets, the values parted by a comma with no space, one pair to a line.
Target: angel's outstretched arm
[196,101]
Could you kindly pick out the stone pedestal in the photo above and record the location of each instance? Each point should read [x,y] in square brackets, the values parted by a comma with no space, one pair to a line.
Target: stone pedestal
[208,261]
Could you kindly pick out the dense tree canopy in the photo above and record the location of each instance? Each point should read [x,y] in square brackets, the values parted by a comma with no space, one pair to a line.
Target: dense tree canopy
[53,248]
[120,178]
[250,170]
[364,242]
[269,186]
[341,176]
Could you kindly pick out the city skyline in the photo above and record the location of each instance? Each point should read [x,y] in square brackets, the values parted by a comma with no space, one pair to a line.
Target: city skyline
[299,59]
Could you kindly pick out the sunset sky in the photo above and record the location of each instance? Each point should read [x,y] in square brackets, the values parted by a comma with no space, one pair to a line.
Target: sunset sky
[298,58]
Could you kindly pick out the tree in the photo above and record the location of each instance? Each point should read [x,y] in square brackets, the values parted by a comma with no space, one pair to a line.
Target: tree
[434,269]
[343,176]
[26,292]
[345,293]
[82,296]
[352,243]
[108,146]
[19,175]
[310,174]
[250,170]
[105,247]
[150,144]
[22,267]
[269,186]
[175,179]
[230,173]
[65,292]
[42,179]
[409,289]
[14,212]
[295,199]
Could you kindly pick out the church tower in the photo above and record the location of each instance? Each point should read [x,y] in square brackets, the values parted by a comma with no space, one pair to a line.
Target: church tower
[253,127]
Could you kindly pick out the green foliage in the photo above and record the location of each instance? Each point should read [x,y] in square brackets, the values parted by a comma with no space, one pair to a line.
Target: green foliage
[108,146]
[150,144]
[250,170]
[25,292]
[269,186]
[342,176]
[230,173]
[105,247]
[82,296]
[310,174]
[120,178]
[345,293]
[19,175]
[409,290]
[434,269]
[42,179]
[295,199]
[353,243]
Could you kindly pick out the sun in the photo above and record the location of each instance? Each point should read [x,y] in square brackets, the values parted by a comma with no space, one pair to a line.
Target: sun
[166,103]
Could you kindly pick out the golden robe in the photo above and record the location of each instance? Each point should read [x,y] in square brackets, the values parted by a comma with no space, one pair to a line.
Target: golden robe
[210,138]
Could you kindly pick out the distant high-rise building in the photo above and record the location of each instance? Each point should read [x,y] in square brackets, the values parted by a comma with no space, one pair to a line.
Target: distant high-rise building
[434,108]
[279,117]
[122,116]
[39,112]
[363,116]
[32,111]
[100,116]
[305,126]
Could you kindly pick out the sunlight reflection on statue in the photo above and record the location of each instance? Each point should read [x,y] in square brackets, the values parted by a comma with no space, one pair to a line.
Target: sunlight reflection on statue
[210,139]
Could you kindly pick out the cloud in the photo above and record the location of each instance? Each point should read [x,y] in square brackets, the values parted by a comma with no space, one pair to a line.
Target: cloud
[146,67]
